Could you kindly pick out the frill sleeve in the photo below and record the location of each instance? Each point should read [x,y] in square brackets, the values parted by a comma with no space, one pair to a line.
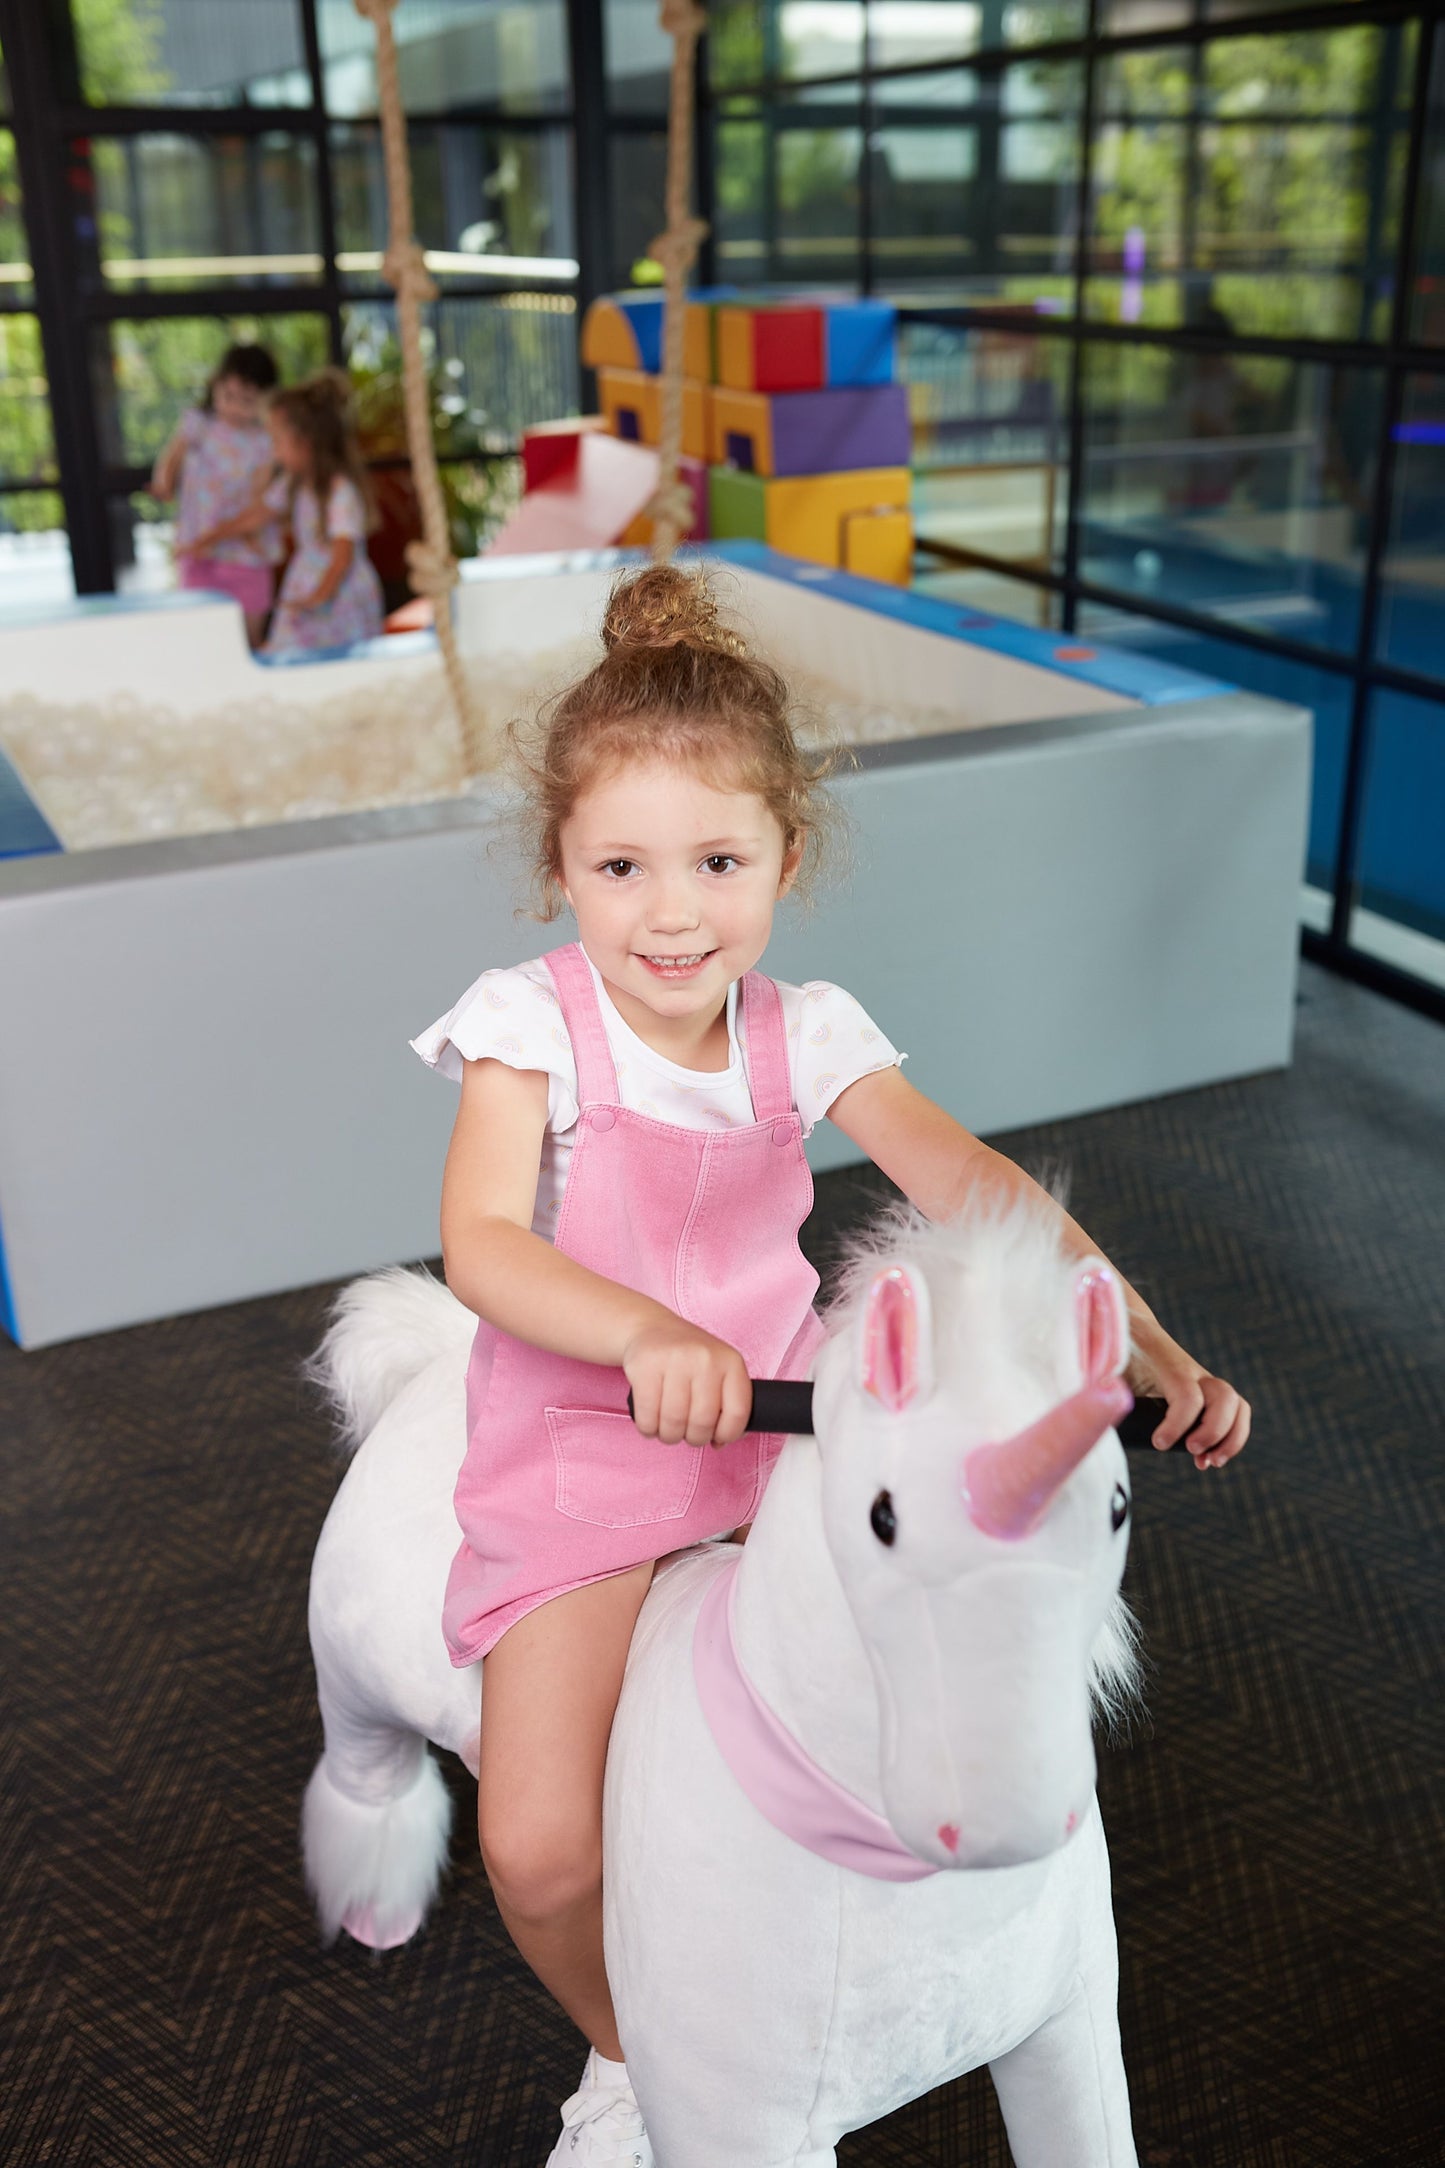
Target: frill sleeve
[512,1017]
[832,1041]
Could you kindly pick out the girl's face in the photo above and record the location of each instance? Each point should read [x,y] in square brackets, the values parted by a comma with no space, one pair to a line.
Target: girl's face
[291,448]
[236,402]
[673,881]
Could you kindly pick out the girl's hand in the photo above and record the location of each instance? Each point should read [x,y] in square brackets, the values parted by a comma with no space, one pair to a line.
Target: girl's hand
[686,1384]
[1215,1416]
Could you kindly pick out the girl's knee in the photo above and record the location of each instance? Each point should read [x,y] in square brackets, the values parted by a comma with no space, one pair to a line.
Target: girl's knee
[539,1868]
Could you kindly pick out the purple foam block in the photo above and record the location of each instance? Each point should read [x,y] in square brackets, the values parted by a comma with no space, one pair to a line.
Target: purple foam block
[847,426]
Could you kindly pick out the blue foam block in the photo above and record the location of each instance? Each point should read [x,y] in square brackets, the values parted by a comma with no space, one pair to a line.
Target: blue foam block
[858,342]
[644,313]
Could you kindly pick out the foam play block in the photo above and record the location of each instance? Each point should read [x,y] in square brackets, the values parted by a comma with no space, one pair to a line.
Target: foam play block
[623,331]
[609,340]
[737,505]
[550,448]
[805,515]
[801,515]
[879,545]
[812,432]
[693,472]
[770,349]
[631,403]
[587,506]
[858,342]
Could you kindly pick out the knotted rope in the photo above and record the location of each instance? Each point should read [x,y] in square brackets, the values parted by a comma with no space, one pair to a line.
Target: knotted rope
[671,507]
[430,564]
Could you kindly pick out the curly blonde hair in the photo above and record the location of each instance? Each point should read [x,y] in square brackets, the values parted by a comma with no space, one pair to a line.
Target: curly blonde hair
[675,683]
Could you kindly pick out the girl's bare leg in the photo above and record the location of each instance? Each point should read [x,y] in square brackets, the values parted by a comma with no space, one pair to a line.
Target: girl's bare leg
[549,1693]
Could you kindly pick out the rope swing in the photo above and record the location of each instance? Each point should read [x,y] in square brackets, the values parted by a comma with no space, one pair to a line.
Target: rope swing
[431,566]
[671,508]
[430,563]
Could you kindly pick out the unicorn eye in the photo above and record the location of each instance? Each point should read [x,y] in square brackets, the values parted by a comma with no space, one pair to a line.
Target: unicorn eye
[883,1520]
[1118,1508]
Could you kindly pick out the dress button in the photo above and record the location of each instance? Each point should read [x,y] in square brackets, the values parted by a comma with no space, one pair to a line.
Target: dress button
[783,1134]
[603,1118]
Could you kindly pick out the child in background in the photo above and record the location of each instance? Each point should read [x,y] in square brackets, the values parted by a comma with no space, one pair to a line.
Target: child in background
[218,457]
[330,594]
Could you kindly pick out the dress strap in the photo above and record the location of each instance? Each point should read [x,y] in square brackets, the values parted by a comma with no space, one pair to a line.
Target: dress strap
[582,1014]
[770,1073]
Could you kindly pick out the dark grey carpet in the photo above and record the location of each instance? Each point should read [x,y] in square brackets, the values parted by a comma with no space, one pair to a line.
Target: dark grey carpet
[1276,1829]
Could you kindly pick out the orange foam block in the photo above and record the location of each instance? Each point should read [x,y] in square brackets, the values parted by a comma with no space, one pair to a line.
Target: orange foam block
[632,404]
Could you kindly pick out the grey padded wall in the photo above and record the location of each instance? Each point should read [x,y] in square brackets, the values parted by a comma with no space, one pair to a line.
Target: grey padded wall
[205,1090]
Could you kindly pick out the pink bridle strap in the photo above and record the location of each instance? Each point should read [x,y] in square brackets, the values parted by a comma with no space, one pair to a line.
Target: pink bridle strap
[783,1782]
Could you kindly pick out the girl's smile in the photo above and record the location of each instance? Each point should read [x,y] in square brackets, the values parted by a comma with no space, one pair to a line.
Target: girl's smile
[673,881]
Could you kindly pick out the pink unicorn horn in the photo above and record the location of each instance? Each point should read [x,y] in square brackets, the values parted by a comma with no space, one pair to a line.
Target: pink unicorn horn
[1008,1487]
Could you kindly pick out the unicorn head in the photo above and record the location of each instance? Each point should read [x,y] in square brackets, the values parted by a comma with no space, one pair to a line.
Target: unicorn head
[976,1506]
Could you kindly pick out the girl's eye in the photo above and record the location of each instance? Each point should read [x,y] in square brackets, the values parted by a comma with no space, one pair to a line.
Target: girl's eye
[619,868]
[720,862]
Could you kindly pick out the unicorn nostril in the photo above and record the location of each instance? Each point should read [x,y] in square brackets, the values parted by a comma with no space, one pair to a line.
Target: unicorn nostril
[948,1835]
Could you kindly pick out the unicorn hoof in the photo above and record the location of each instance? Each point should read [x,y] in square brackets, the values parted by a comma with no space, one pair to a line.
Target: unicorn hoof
[361,1924]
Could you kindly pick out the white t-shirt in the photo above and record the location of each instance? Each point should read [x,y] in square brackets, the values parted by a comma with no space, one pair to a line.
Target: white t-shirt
[514,1016]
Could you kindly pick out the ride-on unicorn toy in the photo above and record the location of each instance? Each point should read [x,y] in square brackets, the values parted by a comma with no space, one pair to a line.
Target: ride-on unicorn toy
[852,1846]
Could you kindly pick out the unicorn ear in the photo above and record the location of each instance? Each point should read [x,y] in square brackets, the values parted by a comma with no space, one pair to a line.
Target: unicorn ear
[1101,1320]
[897,1339]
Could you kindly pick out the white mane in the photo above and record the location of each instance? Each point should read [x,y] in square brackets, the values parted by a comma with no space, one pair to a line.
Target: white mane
[1011,1255]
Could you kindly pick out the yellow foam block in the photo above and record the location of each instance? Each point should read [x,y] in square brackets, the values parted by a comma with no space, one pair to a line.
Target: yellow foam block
[879,545]
[733,336]
[608,339]
[697,342]
[806,514]
[742,413]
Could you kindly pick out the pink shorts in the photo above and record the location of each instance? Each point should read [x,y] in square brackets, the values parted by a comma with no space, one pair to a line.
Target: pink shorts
[250,585]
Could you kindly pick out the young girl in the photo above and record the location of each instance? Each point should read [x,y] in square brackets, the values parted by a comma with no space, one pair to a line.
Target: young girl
[621,1204]
[330,594]
[218,459]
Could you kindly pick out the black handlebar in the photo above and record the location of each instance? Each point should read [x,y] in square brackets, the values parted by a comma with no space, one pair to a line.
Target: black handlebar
[786,1404]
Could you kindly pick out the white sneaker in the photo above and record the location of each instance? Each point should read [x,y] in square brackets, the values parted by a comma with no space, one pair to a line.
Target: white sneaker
[601,2126]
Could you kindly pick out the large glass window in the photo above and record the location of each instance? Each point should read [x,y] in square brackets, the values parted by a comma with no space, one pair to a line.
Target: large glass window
[1232,484]
[487,201]
[974,183]
[190,52]
[639,58]
[789,40]
[175,210]
[27,438]
[1401,914]
[990,422]
[16,284]
[1254,182]
[451,54]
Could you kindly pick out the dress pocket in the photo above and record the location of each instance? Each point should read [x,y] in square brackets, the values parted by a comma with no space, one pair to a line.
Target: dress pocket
[611,1476]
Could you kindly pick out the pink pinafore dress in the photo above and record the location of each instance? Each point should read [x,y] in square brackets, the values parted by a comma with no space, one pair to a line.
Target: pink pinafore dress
[559,1487]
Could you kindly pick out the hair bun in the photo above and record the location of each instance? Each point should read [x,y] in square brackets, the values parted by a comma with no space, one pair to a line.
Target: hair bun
[665,607]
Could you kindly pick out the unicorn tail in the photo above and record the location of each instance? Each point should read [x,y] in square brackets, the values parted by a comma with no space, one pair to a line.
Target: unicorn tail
[384,1330]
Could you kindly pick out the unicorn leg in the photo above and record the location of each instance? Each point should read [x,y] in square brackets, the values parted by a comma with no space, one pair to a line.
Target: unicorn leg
[375,1827]
[1063,2092]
